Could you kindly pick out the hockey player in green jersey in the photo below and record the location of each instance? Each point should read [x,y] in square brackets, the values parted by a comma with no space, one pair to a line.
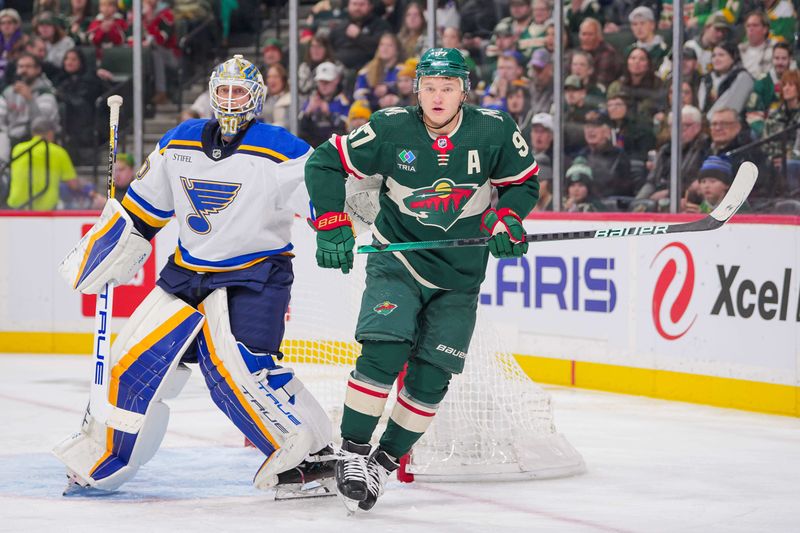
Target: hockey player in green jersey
[440,161]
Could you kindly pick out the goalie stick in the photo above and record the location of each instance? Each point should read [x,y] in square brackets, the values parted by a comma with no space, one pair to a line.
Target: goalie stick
[733,200]
[99,405]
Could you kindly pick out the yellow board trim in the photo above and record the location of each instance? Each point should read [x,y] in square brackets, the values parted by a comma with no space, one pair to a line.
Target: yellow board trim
[664,384]
[678,386]
[212,351]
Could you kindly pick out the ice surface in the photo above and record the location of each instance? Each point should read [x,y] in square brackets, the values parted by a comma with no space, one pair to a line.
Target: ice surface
[653,466]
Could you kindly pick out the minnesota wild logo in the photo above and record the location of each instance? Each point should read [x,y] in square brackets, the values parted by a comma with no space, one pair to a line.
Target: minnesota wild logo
[440,204]
[384,308]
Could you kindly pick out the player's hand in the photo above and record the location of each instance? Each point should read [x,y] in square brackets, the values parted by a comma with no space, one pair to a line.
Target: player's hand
[335,241]
[507,236]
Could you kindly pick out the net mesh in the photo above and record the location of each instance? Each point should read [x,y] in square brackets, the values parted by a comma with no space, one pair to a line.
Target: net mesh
[495,422]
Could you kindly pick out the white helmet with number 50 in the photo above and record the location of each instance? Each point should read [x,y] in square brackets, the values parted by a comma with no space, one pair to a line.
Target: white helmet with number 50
[237,94]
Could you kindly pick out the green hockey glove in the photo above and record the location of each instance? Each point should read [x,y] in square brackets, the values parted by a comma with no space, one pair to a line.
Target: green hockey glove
[507,236]
[335,241]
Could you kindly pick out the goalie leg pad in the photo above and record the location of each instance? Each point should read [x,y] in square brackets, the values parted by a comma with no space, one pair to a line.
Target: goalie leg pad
[112,251]
[145,369]
[268,403]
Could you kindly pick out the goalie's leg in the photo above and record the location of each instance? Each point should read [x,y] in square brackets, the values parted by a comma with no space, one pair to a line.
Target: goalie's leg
[145,370]
[267,402]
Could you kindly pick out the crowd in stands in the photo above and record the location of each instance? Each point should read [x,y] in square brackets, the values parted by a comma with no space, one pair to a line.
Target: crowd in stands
[740,83]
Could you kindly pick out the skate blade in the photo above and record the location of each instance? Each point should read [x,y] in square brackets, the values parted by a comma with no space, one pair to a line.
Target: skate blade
[298,491]
[350,505]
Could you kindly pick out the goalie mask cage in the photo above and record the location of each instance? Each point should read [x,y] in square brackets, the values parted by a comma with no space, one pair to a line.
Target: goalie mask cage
[494,424]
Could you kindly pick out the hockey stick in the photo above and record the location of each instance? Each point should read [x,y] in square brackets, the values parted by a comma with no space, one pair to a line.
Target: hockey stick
[733,200]
[99,405]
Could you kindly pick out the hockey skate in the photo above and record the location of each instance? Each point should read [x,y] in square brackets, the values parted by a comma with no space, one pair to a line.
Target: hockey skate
[313,478]
[379,467]
[351,474]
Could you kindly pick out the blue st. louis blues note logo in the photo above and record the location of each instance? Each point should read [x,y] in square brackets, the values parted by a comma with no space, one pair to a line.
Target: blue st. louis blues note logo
[207,198]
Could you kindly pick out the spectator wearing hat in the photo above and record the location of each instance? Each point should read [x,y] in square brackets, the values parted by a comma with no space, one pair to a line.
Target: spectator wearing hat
[12,39]
[607,61]
[527,32]
[756,50]
[278,100]
[413,33]
[643,26]
[47,26]
[325,111]
[783,20]
[612,168]
[715,31]
[767,89]
[728,85]
[542,146]
[358,115]
[356,38]
[695,146]
[645,93]
[540,68]
[716,176]
[691,74]
[108,28]
[271,54]
[405,83]
[30,97]
[379,77]
[581,197]
[318,51]
[39,170]
[575,113]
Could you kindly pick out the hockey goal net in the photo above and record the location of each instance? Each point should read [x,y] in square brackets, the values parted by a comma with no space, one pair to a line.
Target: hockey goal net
[495,422]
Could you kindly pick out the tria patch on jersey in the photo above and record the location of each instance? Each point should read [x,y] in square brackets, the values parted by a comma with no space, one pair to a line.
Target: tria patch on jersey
[407,158]
[207,198]
[384,308]
[440,204]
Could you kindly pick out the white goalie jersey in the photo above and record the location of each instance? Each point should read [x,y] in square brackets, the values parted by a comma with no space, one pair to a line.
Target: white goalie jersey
[235,203]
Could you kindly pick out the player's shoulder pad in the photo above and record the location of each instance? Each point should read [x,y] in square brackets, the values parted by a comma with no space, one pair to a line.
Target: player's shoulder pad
[189,130]
[492,123]
[390,120]
[272,142]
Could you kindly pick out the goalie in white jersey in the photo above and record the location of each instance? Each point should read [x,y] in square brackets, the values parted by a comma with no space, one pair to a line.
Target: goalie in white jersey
[234,186]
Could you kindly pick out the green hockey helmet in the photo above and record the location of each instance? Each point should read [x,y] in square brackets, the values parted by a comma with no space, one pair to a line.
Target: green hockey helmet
[443,62]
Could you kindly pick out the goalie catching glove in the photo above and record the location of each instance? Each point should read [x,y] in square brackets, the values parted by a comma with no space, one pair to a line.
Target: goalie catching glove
[505,231]
[335,241]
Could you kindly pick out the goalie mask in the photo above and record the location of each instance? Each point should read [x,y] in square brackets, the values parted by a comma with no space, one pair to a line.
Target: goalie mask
[237,94]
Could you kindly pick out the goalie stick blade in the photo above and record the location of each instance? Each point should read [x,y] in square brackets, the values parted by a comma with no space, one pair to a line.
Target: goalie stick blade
[737,194]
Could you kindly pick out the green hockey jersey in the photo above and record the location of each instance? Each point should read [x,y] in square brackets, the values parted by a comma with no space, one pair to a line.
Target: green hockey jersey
[433,187]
